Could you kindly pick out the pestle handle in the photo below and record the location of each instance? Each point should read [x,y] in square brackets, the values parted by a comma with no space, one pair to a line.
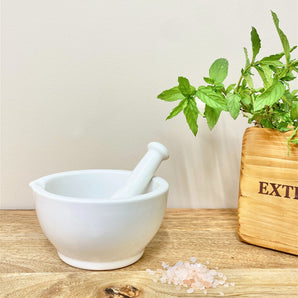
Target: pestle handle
[143,172]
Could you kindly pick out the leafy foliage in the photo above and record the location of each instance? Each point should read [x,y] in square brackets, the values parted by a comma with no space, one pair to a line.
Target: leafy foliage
[272,105]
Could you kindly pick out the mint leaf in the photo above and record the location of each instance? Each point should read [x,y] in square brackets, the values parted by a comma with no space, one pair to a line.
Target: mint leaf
[247,62]
[219,70]
[256,43]
[270,96]
[282,36]
[184,86]
[264,74]
[273,57]
[266,123]
[268,73]
[273,62]
[212,116]
[191,113]
[171,94]
[230,88]
[289,77]
[233,102]
[245,100]
[178,109]
[211,98]
[208,80]
[294,111]
[249,81]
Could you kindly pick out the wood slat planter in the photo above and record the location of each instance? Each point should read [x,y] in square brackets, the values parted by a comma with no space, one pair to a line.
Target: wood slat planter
[268,191]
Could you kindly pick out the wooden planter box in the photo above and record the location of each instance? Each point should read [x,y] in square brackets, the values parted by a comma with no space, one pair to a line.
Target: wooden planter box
[268,191]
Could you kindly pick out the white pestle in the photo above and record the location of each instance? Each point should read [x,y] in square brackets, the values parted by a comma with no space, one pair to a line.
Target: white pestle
[143,172]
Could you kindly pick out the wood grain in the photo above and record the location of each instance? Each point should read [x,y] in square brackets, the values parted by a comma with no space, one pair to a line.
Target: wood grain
[268,193]
[30,266]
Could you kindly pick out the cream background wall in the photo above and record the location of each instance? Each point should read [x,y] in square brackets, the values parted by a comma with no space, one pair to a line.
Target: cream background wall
[80,79]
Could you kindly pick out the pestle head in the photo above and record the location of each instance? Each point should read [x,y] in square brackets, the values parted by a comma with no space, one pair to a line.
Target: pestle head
[160,148]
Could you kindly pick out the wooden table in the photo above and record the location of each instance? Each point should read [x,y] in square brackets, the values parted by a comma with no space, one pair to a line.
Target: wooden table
[30,266]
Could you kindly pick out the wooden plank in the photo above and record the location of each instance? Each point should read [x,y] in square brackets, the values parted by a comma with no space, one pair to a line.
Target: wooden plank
[30,266]
[248,283]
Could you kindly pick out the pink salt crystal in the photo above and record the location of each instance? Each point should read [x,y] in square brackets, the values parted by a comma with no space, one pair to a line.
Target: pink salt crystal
[212,272]
[151,272]
[193,276]
[190,290]
[193,259]
[187,282]
[196,286]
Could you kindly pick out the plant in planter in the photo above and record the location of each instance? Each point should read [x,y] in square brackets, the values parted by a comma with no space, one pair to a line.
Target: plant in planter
[268,200]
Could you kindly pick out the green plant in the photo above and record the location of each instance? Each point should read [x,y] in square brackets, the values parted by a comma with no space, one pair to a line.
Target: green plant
[272,105]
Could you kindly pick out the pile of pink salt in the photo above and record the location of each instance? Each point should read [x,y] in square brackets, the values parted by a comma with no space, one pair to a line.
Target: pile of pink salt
[191,275]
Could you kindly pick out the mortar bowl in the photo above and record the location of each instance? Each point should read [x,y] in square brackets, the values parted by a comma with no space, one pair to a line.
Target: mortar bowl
[88,229]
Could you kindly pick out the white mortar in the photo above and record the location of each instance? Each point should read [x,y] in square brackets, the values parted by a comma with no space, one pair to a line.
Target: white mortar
[91,231]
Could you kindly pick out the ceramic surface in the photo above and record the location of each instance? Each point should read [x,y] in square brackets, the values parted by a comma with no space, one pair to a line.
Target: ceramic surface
[88,229]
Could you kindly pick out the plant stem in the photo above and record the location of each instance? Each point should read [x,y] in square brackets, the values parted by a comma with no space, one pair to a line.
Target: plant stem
[253,100]
[242,76]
